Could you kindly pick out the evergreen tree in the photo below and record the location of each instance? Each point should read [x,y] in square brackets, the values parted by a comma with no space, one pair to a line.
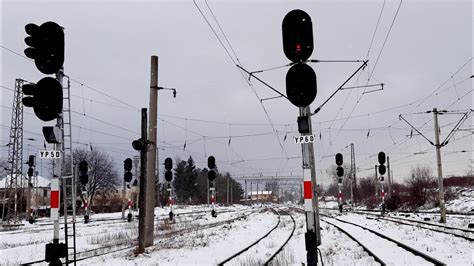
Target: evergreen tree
[179,182]
[191,174]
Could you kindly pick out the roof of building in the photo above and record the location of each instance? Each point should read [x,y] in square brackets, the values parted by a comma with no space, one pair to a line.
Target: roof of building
[42,181]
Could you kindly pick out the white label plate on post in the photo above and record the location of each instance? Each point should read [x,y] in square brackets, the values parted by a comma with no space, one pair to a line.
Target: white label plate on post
[52,154]
[304,139]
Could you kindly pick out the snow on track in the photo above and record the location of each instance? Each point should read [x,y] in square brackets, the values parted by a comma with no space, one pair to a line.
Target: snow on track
[386,250]
[447,248]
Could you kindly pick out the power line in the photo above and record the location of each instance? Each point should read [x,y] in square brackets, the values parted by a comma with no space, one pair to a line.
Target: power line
[375,65]
[386,38]
[247,81]
[375,31]
[105,122]
[222,31]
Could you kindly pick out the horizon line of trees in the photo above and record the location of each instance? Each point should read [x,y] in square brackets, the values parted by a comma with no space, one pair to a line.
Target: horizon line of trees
[190,184]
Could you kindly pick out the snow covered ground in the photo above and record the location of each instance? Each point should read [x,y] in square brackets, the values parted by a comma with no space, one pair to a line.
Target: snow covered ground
[463,203]
[444,247]
[199,239]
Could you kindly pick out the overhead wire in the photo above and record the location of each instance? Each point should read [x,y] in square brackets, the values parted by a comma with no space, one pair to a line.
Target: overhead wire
[235,64]
[421,101]
[373,69]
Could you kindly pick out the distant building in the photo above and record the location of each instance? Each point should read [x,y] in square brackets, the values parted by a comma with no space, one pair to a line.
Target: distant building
[40,189]
[262,195]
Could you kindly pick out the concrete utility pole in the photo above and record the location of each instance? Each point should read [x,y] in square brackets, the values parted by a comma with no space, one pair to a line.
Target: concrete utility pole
[389,178]
[438,146]
[151,156]
[442,207]
[353,176]
[313,234]
[143,184]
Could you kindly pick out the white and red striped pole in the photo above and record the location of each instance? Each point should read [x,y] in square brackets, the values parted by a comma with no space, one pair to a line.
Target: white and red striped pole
[54,207]
[129,203]
[86,205]
[339,196]
[307,191]
[213,199]
[382,193]
[170,202]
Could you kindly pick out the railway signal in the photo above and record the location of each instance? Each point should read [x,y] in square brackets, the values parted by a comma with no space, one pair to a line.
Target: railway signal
[168,167]
[340,174]
[46,46]
[211,164]
[382,170]
[211,175]
[169,178]
[31,165]
[127,167]
[297,33]
[301,86]
[46,98]
[83,176]
[297,30]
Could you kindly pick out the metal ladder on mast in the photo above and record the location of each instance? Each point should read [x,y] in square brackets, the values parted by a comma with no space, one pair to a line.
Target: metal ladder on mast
[69,178]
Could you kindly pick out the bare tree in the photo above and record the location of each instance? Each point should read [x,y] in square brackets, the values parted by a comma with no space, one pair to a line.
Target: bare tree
[333,188]
[419,184]
[102,175]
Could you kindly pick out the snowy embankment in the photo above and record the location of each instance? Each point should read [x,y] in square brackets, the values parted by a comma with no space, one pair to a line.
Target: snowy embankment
[463,202]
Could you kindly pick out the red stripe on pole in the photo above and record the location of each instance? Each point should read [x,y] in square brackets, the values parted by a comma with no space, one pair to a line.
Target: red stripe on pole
[308,190]
[54,199]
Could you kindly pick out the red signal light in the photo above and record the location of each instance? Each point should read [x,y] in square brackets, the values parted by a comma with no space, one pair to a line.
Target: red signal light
[298,47]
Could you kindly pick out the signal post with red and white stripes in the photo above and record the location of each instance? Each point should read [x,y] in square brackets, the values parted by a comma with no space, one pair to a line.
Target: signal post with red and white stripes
[54,203]
[313,234]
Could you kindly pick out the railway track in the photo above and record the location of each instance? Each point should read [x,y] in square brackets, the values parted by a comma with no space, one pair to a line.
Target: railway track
[364,247]
[96,222]
[345,232]
[270,260]
[399,251]
[421,224]
[454,214]
[450,230]
[253,245]
[125,244]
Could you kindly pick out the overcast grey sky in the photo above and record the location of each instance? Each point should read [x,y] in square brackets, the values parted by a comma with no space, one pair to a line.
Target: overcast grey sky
[108,49]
